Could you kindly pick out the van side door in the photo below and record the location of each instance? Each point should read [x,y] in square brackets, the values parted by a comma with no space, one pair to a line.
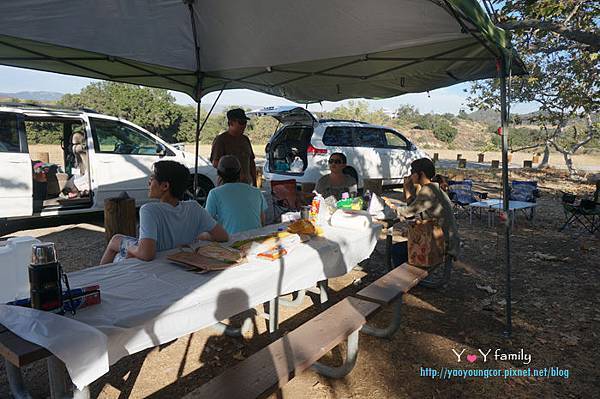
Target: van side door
[371,155]
[399,154]
[16,180]
[123,159]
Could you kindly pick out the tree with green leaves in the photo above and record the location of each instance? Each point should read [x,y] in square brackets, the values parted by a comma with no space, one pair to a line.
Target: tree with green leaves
[559,42]
[358,111]
[152,109]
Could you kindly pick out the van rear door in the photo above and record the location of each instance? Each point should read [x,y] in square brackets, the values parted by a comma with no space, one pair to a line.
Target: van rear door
[287,114]
[16,180]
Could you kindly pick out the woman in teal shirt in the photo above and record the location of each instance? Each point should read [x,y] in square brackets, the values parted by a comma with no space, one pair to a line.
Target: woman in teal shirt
[236,206]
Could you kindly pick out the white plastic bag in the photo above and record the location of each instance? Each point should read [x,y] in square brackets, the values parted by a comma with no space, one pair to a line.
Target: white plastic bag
[297,165]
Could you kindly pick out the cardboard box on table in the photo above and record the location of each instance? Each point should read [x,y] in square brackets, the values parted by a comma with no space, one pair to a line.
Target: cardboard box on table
[426,244]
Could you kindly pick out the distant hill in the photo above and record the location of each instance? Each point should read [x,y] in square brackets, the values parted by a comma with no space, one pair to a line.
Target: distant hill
[486,116]
[34,95]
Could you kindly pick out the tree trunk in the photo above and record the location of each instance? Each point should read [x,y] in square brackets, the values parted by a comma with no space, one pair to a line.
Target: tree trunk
[119,217]
[569,163]
[546,159]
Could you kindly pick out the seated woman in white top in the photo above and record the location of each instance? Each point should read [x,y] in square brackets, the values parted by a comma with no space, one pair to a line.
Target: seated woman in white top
[168,223]
[336,183]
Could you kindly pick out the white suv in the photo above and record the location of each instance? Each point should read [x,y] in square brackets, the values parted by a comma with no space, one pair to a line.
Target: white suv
[114,156]
[373,152]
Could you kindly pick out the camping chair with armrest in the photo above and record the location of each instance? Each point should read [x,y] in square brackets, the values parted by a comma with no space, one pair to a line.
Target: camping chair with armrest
[524,191]
[585,213]
[461,194]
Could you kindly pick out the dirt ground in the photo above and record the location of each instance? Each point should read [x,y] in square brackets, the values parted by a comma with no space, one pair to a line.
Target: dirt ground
[556,318]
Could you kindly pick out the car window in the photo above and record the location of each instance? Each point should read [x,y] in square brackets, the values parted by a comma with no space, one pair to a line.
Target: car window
[395,140]
[369,137]
[117,138]
[9,134]
[339,136]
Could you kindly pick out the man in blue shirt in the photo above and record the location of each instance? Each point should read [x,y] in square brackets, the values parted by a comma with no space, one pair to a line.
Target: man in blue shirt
[237,206]
[168,223]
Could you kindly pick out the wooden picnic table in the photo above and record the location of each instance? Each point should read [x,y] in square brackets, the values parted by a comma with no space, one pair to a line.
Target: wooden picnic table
[331,256]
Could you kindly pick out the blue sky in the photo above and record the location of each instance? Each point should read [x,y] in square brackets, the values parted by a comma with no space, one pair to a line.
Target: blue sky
[450,99]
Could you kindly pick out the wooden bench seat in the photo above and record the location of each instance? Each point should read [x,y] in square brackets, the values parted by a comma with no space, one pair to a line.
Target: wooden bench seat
[18,351]
[388,289]
[273,366]
[398,281]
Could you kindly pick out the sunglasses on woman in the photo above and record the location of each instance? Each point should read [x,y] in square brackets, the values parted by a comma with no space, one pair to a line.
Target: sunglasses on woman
[336,161]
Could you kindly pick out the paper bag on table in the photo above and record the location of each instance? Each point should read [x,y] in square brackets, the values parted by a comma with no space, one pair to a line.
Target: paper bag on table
[426,243]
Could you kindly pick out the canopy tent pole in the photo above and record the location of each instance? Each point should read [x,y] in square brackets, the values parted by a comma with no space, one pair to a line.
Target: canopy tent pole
[502,69]
[198,130]
[197,93]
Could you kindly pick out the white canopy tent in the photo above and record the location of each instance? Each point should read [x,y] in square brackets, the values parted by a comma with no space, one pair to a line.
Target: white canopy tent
[306,51]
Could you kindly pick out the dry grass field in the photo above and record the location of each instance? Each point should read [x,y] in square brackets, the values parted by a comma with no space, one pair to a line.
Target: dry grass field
[584,161]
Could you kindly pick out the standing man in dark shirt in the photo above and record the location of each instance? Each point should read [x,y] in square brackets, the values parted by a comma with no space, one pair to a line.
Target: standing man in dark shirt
[233,142]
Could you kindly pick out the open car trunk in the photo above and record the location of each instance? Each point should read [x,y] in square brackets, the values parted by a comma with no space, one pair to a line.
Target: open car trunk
[287,144]
[291,141]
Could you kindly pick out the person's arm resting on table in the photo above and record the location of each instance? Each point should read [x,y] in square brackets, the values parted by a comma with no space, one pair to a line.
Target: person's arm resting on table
[145,250]
[217,233]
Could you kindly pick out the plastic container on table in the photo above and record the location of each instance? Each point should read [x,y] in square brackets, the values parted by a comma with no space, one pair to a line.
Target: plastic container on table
[15,257]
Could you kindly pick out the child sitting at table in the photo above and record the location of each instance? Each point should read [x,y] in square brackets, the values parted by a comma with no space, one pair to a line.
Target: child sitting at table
[431,202]
[237,205]
[168,223]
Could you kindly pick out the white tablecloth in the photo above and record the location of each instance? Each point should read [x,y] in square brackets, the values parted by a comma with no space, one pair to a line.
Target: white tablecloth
[145,304]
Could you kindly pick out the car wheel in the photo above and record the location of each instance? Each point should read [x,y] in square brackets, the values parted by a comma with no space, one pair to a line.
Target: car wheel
[204,186]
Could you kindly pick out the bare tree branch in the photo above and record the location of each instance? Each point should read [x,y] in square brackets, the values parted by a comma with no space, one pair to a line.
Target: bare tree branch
[556,49]
[529,147]
[592,39]
[572,14]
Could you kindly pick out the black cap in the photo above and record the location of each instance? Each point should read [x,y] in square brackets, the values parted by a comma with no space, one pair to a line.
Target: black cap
[237,114]
[229,165]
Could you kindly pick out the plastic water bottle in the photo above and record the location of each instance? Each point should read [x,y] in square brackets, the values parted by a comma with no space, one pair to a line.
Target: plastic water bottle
[367,199]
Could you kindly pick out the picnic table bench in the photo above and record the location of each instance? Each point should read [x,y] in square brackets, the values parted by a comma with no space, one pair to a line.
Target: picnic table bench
[272,367]
[18,352]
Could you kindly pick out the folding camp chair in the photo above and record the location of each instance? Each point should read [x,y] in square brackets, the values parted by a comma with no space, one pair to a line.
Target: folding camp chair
[285,197]
[524,191]
[461,194]
[585,213]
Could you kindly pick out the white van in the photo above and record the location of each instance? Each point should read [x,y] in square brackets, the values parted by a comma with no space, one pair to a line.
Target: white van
[112,155]
[373,152]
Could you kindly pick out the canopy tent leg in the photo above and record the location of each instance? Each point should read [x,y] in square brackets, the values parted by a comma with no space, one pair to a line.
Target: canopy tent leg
[505,190]
[198,130]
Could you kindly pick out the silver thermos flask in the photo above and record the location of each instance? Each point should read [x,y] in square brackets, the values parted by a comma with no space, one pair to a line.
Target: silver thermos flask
[45,278]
